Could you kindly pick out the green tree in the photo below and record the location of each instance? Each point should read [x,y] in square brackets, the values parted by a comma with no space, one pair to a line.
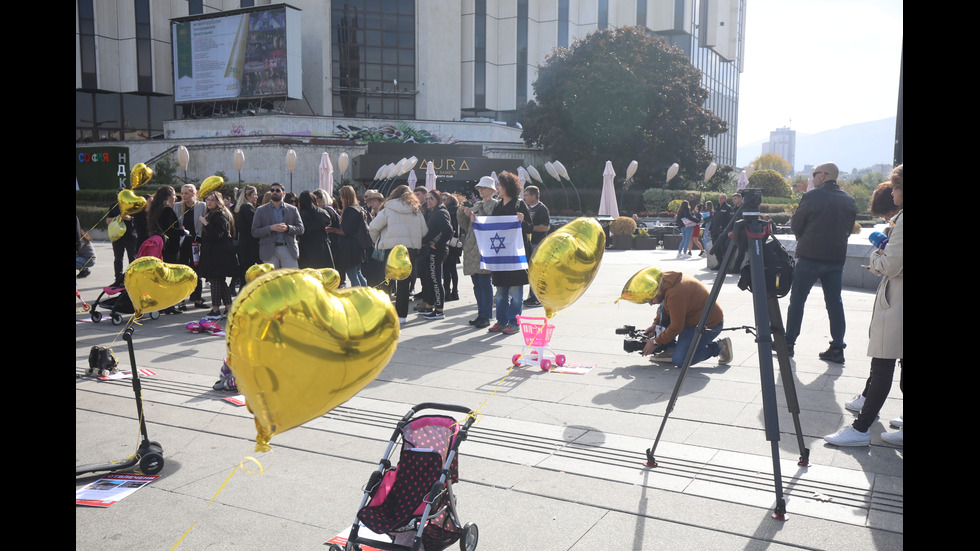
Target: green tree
[773,161]
[772,183]
[621,94]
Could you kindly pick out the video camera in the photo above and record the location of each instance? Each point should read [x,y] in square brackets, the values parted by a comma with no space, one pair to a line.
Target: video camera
[635,340]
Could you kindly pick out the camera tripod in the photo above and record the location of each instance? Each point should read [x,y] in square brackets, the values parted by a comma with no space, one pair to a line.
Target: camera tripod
[768,330]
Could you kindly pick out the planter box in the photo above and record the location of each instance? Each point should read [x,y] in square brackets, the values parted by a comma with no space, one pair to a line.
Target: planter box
[645,243]
[672,242]
[623,242]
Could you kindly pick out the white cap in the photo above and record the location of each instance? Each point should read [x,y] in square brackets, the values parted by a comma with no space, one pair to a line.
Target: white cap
[487,182]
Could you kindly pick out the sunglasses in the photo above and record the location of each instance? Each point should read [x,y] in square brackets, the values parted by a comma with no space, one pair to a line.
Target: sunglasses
[276,190]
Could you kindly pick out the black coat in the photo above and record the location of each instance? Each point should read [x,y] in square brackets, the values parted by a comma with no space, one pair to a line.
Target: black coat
[514,278]
[218,258]
[349,253]
[313,251]
[248,246]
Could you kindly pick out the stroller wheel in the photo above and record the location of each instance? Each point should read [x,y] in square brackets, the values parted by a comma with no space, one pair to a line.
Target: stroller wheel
[335,547]
[96,316]
[155,315]
[469,538]
[116,319]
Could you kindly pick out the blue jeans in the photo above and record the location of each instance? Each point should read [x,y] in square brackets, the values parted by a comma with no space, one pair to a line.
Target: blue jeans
[355,276]
[510,304]
[686,233]
[807,273]
[707,347]
[483,291]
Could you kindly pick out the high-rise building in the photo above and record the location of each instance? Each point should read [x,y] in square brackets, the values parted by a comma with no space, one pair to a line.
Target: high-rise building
[782,142]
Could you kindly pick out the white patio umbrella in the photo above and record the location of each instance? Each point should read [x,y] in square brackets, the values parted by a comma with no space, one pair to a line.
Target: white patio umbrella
[743,180]
[412,179]
[607,201]
[430,176]
[326,174]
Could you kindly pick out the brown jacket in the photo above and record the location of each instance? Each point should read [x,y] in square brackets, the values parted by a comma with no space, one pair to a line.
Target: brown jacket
[684,301]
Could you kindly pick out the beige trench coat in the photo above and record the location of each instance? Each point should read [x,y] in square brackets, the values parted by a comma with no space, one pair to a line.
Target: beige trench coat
[887,329]
[471,253]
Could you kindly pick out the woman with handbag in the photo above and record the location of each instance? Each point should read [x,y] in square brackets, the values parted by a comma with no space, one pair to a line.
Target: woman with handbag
[400,222]
[218,259]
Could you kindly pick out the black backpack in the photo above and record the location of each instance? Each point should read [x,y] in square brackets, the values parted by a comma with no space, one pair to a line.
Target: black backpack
[101,361]
[779,269]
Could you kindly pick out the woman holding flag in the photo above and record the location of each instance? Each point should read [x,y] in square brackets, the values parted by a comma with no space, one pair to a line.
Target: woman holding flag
[510,283]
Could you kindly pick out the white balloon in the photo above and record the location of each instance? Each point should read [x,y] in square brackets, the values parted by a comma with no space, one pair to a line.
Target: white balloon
[631,170]
[672,171]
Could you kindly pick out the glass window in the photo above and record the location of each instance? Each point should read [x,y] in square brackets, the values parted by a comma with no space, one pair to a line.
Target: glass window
[374,44]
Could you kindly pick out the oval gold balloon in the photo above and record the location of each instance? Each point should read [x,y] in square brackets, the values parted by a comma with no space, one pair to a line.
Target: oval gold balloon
[257,270]
[140,175]
[153,284]
[211,183]
[566,262]
[117,229]
[643,286]
[329,277]
[299,349]
[399,264]
[130,203]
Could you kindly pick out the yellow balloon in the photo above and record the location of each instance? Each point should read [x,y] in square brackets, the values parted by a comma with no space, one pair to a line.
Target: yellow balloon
[257,270]
[130,203]
[399,264]
[298,349]
[117,229]
[329,276]
[211,183]
[153,284]
[566,262]
[643,286]
[140,175]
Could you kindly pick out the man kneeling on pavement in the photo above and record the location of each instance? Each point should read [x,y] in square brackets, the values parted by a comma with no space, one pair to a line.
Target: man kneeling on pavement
[682,299]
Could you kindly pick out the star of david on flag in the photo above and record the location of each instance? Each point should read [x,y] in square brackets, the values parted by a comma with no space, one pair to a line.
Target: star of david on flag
[500,242]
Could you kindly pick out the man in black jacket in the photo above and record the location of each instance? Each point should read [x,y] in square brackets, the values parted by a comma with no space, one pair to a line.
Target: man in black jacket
[822,223]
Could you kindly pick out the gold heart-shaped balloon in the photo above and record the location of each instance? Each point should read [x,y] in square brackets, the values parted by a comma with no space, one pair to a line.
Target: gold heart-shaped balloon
[140,175]
[298,348]
[257,270]
[399,263]
[153,284]
[643,286]
[117,229]
[130,203]
[566,262]
[211,183]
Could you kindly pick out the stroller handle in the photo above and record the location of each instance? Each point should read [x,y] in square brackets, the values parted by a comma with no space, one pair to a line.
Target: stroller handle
[432,405]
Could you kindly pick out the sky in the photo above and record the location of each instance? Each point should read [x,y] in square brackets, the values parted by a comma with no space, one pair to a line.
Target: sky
[816,65]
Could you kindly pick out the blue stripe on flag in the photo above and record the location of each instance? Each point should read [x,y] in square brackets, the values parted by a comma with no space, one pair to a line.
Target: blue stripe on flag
[503,259]
[496,226]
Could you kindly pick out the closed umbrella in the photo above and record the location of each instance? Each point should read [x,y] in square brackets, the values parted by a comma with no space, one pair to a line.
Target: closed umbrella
[607,201]
[412,179]
[326,174]
[430,176]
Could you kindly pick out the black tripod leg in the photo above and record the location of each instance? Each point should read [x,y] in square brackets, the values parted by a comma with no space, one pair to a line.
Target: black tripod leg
[702,323]
[754,230]
[788,378]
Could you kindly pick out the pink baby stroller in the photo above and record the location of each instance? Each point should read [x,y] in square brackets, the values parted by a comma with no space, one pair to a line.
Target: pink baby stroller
[413,502]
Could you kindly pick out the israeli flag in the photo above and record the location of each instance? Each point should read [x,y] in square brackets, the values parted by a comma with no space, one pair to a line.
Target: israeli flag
[500,242]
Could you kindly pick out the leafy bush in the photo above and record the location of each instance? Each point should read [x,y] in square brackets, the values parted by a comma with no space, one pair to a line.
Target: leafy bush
[771,182]
[622,226]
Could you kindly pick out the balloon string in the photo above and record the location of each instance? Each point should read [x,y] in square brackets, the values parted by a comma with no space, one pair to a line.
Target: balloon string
[240,466]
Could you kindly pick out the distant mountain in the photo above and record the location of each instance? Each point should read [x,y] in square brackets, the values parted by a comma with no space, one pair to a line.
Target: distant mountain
[854,146]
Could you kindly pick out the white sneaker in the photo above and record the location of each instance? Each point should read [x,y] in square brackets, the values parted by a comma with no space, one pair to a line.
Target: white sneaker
[896,422]
[856,404]
[726,354]
[849,436]
[893,438]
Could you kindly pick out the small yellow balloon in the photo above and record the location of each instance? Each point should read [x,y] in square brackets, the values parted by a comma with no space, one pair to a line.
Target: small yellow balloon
[399,263]
[153,284]
[257,270]
[643,286]
[211,183]
[298,348]
[140,175]
[566,262]
[117,229]
[329,277]
[130,203]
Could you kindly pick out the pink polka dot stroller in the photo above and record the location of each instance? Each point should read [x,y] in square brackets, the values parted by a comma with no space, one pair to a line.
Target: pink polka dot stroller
[413,502]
